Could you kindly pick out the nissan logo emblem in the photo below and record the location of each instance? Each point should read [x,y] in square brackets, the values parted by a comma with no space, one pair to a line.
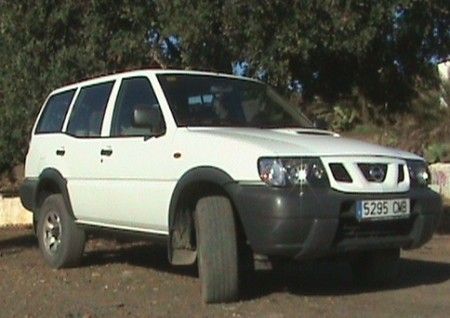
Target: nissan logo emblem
[376,173]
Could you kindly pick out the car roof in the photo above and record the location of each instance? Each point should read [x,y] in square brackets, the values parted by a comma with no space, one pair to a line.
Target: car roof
[144,72]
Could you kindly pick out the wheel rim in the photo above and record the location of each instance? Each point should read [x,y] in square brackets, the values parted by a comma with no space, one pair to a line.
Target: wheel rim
[52,232]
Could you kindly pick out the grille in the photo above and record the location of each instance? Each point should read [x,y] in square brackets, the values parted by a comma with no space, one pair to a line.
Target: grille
[340,173]
[350,228]
[368,170]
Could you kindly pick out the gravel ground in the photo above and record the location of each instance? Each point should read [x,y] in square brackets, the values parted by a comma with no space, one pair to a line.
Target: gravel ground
[119,279]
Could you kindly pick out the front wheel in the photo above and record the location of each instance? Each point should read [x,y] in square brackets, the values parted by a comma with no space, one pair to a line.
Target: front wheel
[217,249]
[60,239]
[377,267]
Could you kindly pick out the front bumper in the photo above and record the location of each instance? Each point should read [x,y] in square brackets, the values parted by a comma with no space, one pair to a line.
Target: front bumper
[322,222]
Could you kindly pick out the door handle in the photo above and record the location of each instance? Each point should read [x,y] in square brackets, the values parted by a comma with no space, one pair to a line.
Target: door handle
[60,152]
[106,152]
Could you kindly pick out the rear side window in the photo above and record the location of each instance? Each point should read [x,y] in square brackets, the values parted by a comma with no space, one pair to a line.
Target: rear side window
[52,118]
[87,115]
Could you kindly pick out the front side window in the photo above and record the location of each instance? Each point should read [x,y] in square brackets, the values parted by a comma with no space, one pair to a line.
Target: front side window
[206,100]
[87,115]
[136,94]
[52,118]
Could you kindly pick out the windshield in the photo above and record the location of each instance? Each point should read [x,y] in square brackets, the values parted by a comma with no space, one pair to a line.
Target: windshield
[215,101]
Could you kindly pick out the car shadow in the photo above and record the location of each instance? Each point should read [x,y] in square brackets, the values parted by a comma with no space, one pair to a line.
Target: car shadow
[314,278]
[444,223]
[142,254]
[17,243]
[320,278]
[335,279]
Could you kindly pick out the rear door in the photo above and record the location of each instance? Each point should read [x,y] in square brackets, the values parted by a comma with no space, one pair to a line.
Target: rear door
[82,150]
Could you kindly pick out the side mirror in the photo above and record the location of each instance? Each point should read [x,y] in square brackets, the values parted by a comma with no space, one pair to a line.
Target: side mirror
[148,117]
[320,124]
[142,117]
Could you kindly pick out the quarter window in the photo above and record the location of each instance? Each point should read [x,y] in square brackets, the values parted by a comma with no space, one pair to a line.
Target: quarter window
[87,114]
[52,118]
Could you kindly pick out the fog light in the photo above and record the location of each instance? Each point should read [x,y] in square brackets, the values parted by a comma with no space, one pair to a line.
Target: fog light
[422,176]
[418,172]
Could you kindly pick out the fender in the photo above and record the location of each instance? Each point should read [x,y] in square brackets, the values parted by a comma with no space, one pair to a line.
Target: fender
[55,177]
[198,174]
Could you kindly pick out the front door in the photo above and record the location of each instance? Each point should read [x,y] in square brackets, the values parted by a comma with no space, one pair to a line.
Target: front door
[135,183]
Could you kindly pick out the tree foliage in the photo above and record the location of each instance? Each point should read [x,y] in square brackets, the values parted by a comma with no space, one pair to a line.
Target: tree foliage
[46,44]
[331,47]
[376,53]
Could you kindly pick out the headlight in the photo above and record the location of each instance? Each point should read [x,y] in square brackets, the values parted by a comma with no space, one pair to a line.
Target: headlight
[418,173]
[284,172]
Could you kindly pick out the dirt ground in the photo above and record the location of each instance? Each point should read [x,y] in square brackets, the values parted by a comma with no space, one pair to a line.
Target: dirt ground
[119,279]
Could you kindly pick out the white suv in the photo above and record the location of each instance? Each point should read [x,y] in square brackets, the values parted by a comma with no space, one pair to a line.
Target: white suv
[221,168]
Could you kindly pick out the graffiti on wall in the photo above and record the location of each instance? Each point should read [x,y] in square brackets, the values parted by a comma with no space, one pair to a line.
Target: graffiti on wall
[441,178]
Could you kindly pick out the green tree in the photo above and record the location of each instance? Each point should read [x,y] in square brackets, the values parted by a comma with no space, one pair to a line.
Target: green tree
[371,53]
[335,48]
[45,44]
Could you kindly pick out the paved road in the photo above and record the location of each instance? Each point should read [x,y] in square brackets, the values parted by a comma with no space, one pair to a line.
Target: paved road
[125,279]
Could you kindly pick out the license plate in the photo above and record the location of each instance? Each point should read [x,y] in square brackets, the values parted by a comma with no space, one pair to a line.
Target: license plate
[382,209]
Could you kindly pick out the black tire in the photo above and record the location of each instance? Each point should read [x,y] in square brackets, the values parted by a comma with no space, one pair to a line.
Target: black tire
[217,249]
[68,239]
[375,268]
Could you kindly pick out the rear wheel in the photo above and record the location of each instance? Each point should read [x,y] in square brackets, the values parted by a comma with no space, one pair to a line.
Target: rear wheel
[217,249]
[376,267]
[60,239]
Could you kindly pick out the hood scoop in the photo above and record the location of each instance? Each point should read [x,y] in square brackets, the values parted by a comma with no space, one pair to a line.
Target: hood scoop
[307,131]
[316,132]
[319,133]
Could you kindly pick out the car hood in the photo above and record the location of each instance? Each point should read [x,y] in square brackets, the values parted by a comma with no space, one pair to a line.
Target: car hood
[298,142]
